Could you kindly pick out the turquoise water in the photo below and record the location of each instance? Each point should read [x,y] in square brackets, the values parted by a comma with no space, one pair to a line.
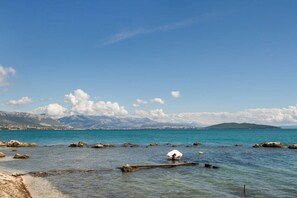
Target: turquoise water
[266,172]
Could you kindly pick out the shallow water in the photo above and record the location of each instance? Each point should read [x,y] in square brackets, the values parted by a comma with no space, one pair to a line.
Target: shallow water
[266,172]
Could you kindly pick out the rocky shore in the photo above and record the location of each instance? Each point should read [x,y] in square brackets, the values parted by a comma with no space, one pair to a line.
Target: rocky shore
[13,187]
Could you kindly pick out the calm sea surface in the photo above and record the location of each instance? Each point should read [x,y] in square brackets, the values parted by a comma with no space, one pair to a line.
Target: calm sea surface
[266,172]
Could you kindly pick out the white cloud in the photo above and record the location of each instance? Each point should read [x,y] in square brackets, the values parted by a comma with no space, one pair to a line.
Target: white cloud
[271,116]
[54,110]
[156,114]
[123,35]
[22,101]
[5,73]
[139,102]
[158,100]
[80,104]
[175,94]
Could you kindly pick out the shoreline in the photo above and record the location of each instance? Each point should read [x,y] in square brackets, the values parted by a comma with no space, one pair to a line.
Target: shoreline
[11,186]
[26,186]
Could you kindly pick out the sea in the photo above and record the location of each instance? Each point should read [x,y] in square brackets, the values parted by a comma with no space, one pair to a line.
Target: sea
[243,171]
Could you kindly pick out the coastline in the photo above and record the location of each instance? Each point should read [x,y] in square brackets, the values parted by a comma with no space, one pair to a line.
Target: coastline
[27,187]
[11,186]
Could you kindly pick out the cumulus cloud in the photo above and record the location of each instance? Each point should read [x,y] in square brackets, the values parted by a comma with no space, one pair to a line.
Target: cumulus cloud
[158,100]
[5,73]
[22,101]
[175,94]
[54,110]
[80,103]
[139,102]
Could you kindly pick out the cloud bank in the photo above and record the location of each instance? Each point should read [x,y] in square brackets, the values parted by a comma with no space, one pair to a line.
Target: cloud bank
[271,116]
[5,73]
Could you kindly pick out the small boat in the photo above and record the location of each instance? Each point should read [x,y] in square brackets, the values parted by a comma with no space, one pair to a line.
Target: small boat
[174,155]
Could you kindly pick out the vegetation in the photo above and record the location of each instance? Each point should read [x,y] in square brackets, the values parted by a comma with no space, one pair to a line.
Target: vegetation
[234,125]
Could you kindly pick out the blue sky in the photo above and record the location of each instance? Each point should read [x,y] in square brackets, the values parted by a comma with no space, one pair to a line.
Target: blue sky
[222,56]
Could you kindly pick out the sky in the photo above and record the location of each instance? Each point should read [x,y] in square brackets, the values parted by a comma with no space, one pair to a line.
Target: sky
[180,61]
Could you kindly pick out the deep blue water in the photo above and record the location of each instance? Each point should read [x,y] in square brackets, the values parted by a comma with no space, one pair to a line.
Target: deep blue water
[266,172]
[288,136]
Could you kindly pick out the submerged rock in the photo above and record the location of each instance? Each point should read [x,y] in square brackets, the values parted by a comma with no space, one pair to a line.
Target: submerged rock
[21,156]
[197,144]
[271,144]
[154,144]
[73,145]
[293,146]
[130,145]
[2,155]
[108,145]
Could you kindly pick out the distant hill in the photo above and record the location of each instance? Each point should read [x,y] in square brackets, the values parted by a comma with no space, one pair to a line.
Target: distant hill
[17,120]
[234,125]
[106,122]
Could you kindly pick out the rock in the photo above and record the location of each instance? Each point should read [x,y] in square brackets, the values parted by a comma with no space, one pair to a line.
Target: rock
[81,144]
[197,144]
[238,145]
[2,143]
[130,145]
[126,144]
[98,146]
[2,155]
[210,166]
[33,145]
[200,153]
[176,145]
[40,174]
[21,156]
[154,144]
[108,145]
[271,145]
[15,143]
[293,146]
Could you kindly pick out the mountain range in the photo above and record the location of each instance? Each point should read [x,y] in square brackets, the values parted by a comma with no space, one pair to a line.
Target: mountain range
[17,120]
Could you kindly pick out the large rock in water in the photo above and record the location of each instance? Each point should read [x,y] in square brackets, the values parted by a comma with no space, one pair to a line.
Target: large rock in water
[21,156]
[2,155]
[15,143]
[271,144]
